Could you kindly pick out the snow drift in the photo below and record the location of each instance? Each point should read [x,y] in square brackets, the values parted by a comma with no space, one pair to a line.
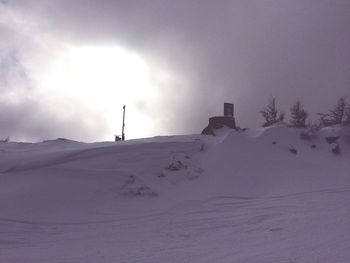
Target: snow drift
[273,194]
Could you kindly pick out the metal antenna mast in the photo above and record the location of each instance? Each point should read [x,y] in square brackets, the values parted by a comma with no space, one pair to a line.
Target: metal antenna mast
[123,134]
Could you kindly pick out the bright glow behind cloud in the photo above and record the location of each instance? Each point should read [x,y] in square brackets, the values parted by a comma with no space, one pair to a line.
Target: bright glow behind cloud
[100,80]
[54,87]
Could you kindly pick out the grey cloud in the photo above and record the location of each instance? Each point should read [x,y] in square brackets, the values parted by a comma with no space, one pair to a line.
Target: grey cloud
[239,51]
[28,121]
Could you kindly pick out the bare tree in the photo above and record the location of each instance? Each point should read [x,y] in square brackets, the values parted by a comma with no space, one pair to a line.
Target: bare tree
[299,115]
[271,113]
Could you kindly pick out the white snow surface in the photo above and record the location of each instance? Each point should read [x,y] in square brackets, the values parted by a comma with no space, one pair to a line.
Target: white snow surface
[235,197]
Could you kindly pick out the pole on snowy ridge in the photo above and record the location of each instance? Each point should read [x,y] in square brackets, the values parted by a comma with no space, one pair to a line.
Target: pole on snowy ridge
[123,134]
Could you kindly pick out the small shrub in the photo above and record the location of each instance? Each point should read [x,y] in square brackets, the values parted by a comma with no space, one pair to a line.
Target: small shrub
[299,115]
[271,114]
[337,115]
[162,175]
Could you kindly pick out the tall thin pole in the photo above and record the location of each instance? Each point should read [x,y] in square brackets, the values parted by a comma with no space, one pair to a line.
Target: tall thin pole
[123,135]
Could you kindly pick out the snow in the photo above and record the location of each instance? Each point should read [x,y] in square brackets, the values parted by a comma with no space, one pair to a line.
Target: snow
[235,197]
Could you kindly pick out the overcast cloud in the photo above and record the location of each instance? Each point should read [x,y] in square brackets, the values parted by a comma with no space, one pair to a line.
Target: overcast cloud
[214,51]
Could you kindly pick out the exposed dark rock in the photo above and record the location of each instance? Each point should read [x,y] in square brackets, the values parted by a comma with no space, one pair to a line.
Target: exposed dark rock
[219,122]
[176,166]
[332,139]
[131,179]
[293,151]
[145,191]
[307,136]
[336,150]
[208,131]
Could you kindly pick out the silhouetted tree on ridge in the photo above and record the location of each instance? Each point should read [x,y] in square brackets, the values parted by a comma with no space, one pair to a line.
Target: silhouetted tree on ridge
[338,115]
[271,113]
[298,115]
[347,115]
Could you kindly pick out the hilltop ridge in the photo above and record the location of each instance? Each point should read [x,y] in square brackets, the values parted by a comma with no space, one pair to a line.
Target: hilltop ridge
[188,198]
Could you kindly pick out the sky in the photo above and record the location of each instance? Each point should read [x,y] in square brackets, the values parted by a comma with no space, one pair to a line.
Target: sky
[68,67]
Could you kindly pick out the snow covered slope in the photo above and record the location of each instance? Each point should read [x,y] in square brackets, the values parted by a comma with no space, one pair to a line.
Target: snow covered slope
[268,195]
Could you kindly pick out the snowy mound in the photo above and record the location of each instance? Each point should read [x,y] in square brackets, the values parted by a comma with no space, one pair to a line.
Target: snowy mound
[275,194]
[275,160]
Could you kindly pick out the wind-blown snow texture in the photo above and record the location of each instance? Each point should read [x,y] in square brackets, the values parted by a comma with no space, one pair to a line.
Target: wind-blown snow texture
[257,196]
